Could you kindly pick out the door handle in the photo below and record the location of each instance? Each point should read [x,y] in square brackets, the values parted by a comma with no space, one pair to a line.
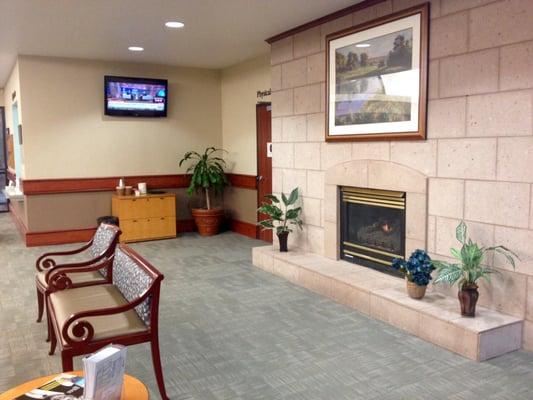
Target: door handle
[260,178]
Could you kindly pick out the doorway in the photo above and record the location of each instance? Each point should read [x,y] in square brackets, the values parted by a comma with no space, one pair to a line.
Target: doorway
[264,161]
[17,142]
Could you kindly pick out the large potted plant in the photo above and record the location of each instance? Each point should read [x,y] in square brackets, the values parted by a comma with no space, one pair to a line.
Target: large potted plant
[469,269]
[281,219]
[417,270]
[207,176]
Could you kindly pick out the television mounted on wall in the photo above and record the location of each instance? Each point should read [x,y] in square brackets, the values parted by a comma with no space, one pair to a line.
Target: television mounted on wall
[135,97]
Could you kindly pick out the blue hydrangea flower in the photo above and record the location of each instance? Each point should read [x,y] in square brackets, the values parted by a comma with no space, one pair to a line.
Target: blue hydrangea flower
[417,268]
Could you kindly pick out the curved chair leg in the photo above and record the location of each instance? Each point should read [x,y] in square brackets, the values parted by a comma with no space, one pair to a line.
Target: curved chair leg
[40,305]
[67,362]
[48,327]
[53,341]
[156,359]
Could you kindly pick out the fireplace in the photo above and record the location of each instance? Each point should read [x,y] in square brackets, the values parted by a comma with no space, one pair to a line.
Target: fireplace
[372,227]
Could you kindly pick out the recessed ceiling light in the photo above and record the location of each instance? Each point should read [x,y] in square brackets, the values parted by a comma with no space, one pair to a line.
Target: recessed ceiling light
[135,48]
[174,24]
[363,45]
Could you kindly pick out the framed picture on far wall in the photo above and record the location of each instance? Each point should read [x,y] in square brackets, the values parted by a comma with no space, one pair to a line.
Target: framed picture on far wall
[377,78]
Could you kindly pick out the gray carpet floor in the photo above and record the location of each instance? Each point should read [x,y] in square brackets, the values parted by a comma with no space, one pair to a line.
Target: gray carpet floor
[232,331]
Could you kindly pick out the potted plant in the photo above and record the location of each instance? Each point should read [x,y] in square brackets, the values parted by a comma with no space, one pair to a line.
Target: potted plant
[281,219]
[208,176]
[469,269]
[417,270]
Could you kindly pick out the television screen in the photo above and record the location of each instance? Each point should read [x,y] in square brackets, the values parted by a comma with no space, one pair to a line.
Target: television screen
[135,97]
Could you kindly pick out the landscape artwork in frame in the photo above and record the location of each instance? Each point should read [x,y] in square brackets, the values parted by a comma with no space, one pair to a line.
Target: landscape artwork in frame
[377,79]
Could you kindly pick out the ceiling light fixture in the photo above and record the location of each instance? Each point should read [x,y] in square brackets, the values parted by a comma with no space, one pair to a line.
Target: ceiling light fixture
[135,48]
[174,24]
[363,45]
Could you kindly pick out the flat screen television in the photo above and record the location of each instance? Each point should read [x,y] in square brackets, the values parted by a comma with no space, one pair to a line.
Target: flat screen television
[135,97]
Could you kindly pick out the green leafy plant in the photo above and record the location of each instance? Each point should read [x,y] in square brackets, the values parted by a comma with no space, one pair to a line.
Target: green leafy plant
[207,172]
[280,219]
[469,269]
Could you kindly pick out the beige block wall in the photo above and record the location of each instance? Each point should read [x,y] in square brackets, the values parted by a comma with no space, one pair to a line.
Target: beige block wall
[478,155]
[67,134]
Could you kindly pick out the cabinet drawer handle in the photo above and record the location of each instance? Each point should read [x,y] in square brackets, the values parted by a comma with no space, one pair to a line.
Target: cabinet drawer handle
[162,219]
[134,220]
[148,220]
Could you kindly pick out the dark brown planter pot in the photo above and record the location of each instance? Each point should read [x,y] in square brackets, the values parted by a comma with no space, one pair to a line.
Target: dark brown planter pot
[283,236]
[208,221]
[468,298]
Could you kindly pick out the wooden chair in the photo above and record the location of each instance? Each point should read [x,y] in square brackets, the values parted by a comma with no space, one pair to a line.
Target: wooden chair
[101,246]
[125,311]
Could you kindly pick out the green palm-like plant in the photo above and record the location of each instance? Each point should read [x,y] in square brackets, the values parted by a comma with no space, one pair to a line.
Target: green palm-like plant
[207,172]
[280,219]
[469,269]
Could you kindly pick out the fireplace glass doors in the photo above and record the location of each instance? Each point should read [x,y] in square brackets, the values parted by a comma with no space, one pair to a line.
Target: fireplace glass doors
[372,227]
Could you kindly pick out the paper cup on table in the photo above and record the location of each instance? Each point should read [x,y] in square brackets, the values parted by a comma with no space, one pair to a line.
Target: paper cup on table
[128,190]
[120,191]
[142,187]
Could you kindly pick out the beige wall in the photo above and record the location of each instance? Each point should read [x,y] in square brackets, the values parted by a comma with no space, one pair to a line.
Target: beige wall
[67,135]
[479,149]
[240,84]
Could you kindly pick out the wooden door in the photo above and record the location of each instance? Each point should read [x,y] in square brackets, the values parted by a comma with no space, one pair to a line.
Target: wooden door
[264,160]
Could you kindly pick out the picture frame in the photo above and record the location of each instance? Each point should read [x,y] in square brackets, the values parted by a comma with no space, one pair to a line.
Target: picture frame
[376,78]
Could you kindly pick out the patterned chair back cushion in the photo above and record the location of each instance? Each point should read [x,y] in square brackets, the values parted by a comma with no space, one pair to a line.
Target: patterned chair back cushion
[102,239]
[132,281]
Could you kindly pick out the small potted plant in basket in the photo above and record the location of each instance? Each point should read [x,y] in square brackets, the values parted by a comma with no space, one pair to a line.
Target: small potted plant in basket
[469,269]
[417,270]
[208,176]
[281,219]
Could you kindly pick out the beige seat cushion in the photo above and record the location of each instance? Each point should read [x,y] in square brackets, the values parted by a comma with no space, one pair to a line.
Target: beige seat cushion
[79,277]
[70,301]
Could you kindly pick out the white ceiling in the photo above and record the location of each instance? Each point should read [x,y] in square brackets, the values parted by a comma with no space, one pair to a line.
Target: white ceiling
[217,33]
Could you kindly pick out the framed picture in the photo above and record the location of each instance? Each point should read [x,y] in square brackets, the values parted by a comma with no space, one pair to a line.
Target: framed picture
[376,83]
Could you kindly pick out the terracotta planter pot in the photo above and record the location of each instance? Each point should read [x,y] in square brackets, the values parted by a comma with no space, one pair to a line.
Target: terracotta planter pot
[414,291]
[283,236]
[468,299]
[208,221]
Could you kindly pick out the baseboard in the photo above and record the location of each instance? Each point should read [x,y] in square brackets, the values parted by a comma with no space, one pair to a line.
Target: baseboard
[243,228]
[21,227]
[59,237]
[185,225]
[33,239]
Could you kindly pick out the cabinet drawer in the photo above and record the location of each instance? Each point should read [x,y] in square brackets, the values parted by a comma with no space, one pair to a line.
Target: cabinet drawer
[132,229]
[161,227]
[161,206]
[133,208]
[147,228]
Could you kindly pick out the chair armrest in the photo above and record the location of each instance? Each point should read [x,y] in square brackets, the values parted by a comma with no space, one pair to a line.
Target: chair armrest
[83,331]
[46,261]
[57,278]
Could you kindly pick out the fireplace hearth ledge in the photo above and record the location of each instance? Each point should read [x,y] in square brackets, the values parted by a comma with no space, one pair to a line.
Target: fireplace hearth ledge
[435,318]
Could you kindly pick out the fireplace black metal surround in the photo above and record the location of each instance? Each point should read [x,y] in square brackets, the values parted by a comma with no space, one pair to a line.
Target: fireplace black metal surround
[372,227]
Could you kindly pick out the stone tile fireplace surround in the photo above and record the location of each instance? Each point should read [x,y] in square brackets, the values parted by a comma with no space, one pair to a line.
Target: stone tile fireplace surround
[376,175]
[475,164]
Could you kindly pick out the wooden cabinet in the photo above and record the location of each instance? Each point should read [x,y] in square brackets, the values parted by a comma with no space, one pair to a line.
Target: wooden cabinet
[145,217]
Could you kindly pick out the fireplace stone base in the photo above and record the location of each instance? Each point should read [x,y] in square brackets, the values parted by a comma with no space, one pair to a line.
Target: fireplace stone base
[435,318]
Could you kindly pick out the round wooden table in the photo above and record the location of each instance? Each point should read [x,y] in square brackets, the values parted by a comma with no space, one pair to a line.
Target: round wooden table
[133,388]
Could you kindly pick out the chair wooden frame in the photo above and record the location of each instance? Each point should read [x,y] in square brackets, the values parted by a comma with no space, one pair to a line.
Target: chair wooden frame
[78,333]
[47,263]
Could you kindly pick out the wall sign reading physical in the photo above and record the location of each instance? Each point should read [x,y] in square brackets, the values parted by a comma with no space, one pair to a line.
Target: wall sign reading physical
[377,78]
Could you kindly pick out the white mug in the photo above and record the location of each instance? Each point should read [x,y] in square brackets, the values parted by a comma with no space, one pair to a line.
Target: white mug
[142,187]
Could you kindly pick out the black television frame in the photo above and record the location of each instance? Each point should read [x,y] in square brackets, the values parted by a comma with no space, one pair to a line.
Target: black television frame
[135,113]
